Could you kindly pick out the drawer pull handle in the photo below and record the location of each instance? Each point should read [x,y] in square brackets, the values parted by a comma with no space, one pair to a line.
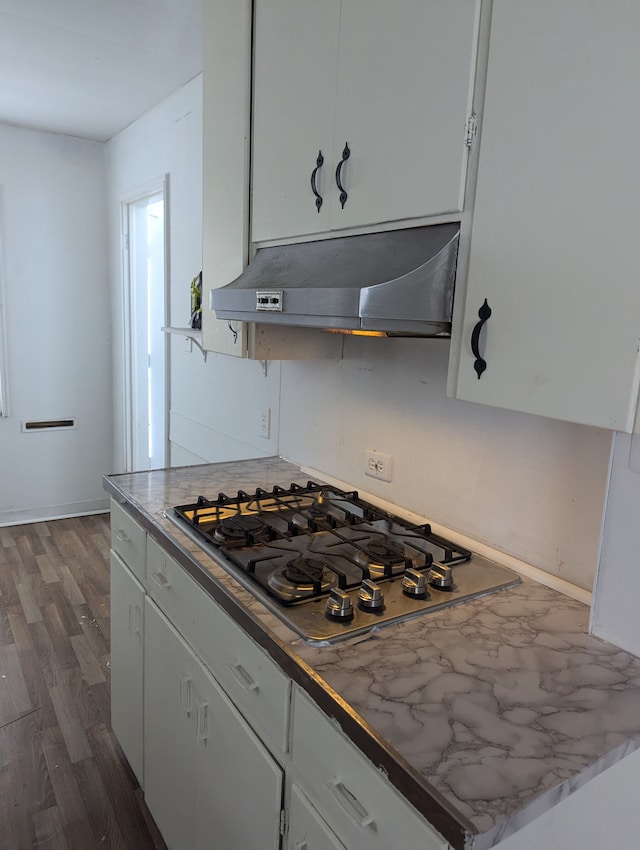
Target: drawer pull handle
[350,803]
[160,578]
[185,694]
[121,535]
[202,721]
[134,619]
[245,679]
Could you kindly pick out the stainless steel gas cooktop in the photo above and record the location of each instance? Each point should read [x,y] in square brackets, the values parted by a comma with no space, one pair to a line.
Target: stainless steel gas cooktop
[331,565]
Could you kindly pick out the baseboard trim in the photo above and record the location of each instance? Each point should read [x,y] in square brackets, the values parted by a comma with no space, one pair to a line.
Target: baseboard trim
[44,513]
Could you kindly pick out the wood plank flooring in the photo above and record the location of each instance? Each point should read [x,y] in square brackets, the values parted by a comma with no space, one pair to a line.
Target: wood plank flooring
[64,782]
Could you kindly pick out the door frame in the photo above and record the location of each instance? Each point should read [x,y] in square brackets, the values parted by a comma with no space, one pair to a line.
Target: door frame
[153,187]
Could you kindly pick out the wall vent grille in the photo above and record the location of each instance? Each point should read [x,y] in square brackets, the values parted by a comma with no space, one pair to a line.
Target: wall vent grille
[48,424]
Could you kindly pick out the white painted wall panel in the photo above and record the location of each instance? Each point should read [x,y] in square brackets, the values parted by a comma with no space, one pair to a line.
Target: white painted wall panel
[58,325]
[615,612]
[529,486]
[221,395]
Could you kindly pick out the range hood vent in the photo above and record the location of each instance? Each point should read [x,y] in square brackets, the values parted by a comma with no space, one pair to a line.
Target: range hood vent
[397,283]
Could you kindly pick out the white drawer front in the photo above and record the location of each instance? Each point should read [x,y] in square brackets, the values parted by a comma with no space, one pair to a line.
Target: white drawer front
[357,802]
[306,829]
[248,675]
[128,539]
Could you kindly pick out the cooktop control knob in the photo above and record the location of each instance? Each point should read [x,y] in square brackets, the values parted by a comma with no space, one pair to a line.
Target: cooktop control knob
[339,604]
[414,583]
[441,576]
[370,595]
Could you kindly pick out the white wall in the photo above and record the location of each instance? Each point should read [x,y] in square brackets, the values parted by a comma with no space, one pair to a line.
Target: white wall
[615,613]
[58,325]
[215,404]
[529,486]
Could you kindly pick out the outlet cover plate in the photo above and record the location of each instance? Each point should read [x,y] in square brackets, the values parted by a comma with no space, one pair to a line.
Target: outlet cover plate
[378,465]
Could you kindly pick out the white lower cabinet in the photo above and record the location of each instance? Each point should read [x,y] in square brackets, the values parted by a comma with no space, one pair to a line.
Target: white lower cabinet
[207,719]
[211,785]
[307,830]
[357,802]
[127,654]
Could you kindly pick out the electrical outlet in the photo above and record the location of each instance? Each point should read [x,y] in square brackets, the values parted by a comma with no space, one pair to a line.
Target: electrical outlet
[378,465]
[265,422]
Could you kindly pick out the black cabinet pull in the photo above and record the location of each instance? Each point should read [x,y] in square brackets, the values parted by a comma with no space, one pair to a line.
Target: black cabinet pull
[480,363]
[319,163]
[346,153]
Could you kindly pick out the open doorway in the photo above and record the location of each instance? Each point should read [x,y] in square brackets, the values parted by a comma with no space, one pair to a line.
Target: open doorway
[145,287]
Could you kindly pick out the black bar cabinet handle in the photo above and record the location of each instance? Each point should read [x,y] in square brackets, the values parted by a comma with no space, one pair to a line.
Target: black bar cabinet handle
[480,363]
[346,153]
[319,163]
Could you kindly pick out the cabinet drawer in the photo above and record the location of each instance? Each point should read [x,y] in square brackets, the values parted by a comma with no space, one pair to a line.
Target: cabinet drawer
[362,808]
[250,678]
[128,539]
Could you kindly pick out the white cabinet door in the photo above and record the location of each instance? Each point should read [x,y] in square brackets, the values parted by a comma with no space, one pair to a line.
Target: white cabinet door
[169,730]
[238,785]
[127,654]
[555,248]
[294,89]
[210,783]
[391,81]
[404,95]
[306,829]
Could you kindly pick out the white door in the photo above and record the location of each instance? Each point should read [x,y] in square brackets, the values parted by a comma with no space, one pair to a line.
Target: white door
[169,730]
[144,222]
[404,94]
[555,249]
[238,784]
[127,654]
[294,89]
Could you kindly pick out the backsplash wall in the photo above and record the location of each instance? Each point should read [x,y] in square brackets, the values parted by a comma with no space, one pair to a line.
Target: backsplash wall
[529,486]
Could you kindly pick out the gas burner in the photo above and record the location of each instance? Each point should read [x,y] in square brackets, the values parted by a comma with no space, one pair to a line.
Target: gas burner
[240,527]
[301,578]
[320,509]
[304,570]
[375,555]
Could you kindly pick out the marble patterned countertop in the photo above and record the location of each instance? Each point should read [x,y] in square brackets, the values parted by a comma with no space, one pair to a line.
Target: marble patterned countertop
[484,715]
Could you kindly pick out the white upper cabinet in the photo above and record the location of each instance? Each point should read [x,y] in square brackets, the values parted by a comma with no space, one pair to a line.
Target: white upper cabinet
[378,93]
[555,249]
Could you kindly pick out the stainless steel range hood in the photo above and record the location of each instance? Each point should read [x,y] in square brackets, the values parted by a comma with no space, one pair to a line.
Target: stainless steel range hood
[398,283]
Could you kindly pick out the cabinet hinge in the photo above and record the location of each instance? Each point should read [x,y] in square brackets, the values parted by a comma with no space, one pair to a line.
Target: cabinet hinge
[471,131]
[283,822]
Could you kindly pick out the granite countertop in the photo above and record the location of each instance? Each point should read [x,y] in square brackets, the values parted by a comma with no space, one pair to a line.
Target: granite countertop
[484,715]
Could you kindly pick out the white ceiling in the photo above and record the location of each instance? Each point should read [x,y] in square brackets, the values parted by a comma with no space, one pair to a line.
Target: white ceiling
[89,68]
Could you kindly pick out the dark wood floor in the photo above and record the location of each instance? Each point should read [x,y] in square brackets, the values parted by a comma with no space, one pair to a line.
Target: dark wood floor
[64,783]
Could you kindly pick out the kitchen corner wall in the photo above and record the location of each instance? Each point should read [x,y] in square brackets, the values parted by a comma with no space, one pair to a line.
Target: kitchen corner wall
[214,405]
[529,486]
[54,222]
